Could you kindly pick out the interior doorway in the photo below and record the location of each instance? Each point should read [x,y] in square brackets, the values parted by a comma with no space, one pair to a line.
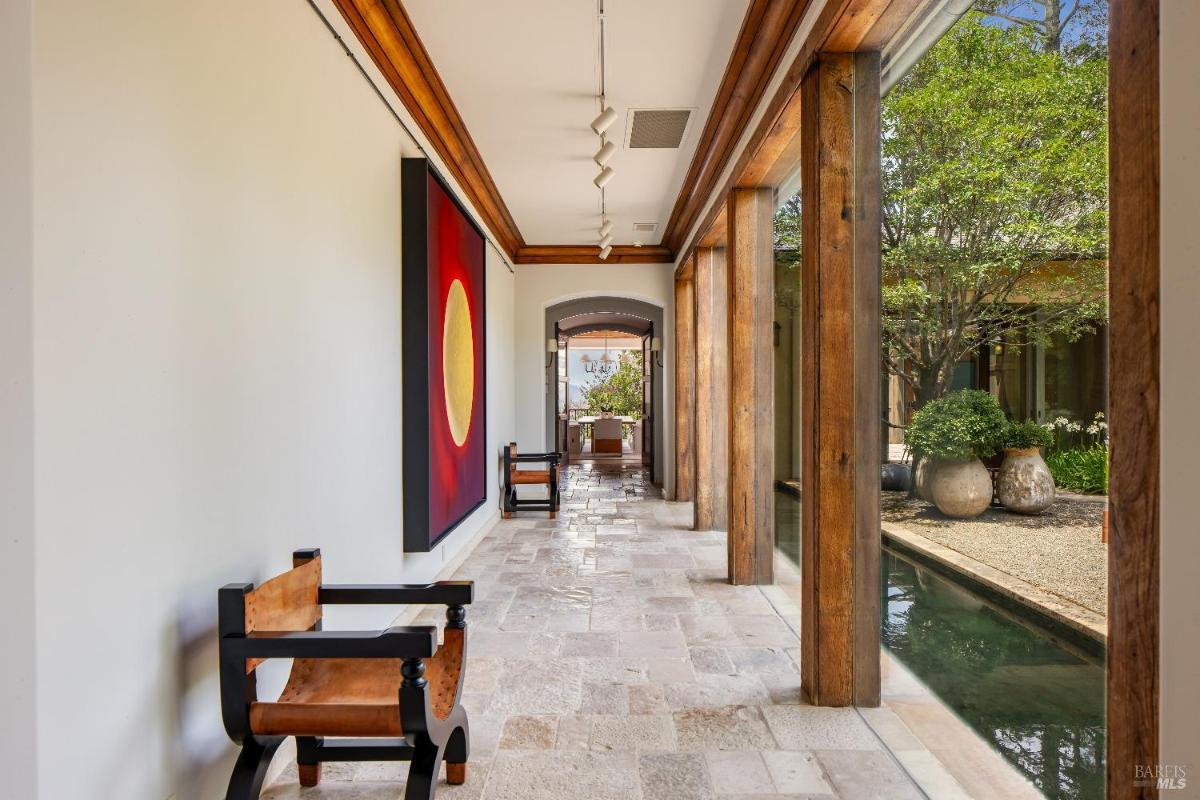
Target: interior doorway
[604,381]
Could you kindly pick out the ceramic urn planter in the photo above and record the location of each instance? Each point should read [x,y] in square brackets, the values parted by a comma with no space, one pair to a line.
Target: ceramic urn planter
[1025,484]
[923,478]
[961,489]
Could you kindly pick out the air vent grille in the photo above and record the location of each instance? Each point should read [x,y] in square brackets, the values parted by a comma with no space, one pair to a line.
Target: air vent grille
[644,227]
[658,127]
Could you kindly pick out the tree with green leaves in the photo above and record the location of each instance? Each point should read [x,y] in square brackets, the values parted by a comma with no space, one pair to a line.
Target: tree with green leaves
[1058,25]
[995,200]
[620,392]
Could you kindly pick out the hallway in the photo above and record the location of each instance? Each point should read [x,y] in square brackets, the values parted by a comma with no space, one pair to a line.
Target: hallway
[609,660]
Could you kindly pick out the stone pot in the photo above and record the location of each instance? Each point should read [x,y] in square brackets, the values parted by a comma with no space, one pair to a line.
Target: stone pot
[922,477]
[895,477]
[1025,484]
[961,488]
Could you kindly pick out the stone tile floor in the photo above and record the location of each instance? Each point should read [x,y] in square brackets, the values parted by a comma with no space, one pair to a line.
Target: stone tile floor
[608,659]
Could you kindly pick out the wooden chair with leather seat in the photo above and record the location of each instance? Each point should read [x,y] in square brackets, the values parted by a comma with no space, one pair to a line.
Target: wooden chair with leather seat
[395,691]
[607,436]
[514,477]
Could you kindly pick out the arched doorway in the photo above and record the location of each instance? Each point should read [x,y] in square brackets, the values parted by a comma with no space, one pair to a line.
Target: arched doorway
[635,318]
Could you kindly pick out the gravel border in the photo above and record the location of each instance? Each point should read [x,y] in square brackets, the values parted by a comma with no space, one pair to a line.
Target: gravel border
[1059,551]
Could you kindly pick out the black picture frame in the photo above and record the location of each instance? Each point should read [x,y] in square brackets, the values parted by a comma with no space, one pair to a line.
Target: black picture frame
[415,372]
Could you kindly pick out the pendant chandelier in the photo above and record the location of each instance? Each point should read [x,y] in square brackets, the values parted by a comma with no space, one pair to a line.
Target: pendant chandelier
[603,366]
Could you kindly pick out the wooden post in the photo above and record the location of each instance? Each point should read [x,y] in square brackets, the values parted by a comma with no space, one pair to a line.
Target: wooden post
[712,390]
[1134,361]
[751,278]
[685,389]
[841,398]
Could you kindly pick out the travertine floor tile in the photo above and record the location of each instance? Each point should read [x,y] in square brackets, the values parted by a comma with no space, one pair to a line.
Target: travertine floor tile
[866,775]
[608,659]
[742,772]
[796,772]
[675,776]
[529,733]
[812,728]
[724,728]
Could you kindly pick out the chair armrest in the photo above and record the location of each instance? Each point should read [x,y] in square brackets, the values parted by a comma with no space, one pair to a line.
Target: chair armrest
[534,458]
[395,642]
[450,593]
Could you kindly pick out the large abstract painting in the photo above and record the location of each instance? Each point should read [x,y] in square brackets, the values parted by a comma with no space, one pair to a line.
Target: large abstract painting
[443,348]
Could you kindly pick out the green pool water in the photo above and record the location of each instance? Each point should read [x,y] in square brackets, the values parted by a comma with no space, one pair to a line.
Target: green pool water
[1039,701]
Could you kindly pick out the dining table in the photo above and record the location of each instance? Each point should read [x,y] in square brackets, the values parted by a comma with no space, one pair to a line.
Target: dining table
[586,422]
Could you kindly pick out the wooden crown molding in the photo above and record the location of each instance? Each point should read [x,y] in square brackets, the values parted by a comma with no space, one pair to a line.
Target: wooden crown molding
[590,254]
[387,32]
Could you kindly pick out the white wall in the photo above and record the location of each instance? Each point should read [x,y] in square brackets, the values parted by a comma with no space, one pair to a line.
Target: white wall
[542,285]
[216,359]
[17,667]
[1180,440]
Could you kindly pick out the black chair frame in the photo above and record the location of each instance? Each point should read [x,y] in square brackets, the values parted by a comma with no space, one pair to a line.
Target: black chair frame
[427,740]
[511,502]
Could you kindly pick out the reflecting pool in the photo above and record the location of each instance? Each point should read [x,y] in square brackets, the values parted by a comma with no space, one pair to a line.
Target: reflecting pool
[1039,700]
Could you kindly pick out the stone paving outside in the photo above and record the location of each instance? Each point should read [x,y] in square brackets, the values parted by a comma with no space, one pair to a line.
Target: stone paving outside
[608,659]
[1059,550]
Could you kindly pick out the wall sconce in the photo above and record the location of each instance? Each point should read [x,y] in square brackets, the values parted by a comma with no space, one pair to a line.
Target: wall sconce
[551,351]
[656,349]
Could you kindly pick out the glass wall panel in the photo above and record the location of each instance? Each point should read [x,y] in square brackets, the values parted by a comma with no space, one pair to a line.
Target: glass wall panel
[787,343]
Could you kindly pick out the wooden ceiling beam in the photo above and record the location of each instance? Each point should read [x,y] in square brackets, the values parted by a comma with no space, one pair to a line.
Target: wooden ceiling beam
[590,254]
[773,150]
[766,30]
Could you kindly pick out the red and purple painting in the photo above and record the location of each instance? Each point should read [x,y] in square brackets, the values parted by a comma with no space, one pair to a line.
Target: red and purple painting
[445,437]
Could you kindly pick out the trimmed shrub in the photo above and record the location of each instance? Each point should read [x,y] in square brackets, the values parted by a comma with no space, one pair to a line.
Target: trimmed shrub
[962,425]
[1027,434]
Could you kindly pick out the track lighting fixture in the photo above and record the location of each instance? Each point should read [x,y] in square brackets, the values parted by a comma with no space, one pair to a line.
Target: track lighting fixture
[606,227]
[603,122]
[604,177]
[604,153]
[605,251]
[606,241]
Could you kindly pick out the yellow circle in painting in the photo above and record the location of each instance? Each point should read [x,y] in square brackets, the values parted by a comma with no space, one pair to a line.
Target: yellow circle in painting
[458,362]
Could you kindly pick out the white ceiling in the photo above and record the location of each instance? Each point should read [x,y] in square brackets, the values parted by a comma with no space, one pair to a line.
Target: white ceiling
[524,75]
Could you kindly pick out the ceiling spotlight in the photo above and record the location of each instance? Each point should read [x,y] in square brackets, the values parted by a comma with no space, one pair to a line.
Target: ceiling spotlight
[604,252]
[603,122]
[606,241]
[604,177]
[606,228]
[604,153]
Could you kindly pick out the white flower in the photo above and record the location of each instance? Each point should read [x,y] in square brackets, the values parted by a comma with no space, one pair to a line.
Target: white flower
[1074,427]
[1093,429]
[1102,425]
[1099,415]
[1048,426]
[1061,422]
